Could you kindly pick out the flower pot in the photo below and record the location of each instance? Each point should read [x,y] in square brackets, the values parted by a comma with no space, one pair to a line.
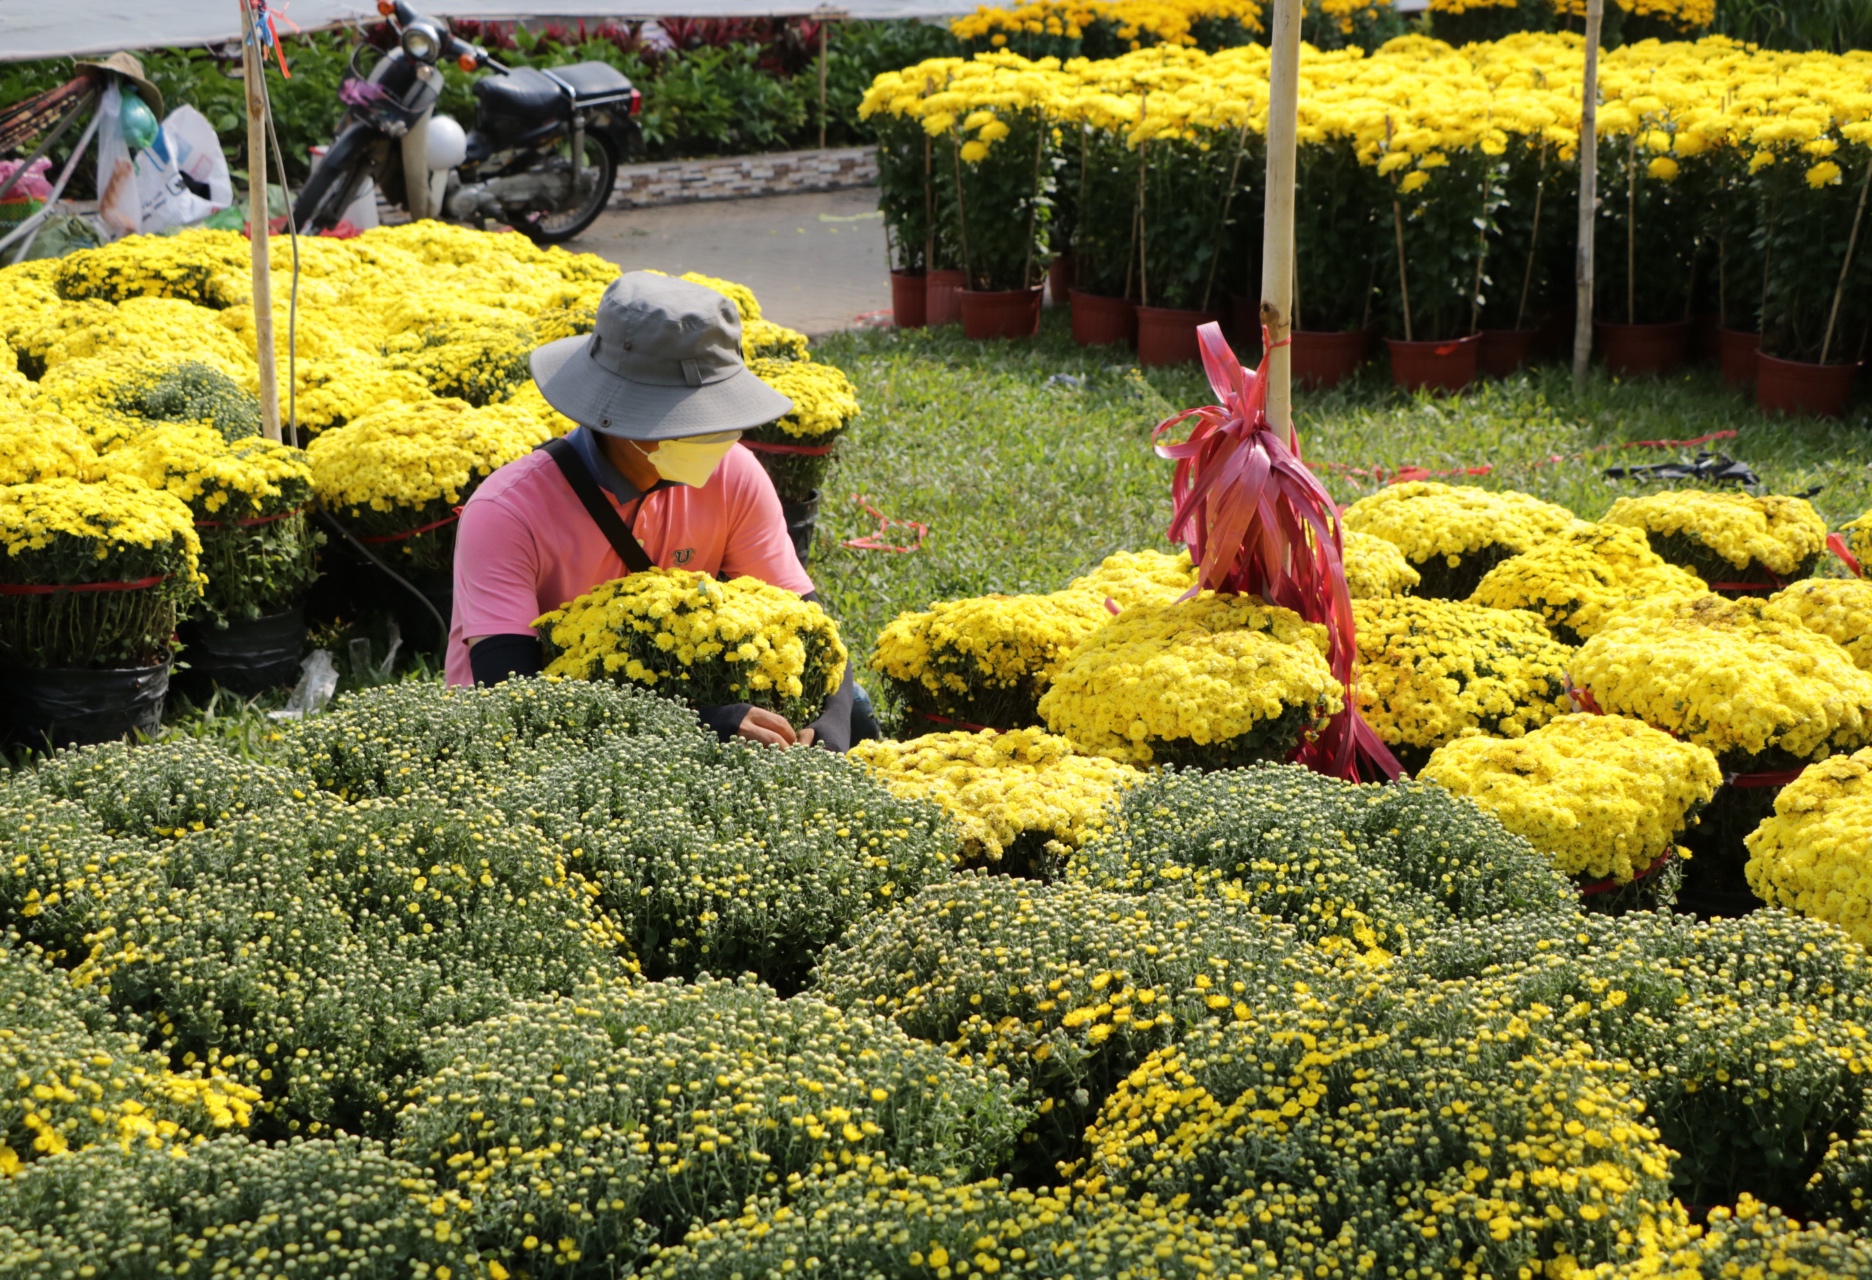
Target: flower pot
[1554,338]
[801,519]
[942,298]
[245,657]
[1061,276]
[1098,321]
[1632,350]
[41,706]
[1794,386]
[1440,366]
[1167,335]
[1502,351]
[908,298]
[1736,354]
[1327,359]
[1000,313]
[1245,327]
[1704,343]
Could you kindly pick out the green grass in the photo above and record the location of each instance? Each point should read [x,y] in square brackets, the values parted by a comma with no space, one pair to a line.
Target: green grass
[1025,483]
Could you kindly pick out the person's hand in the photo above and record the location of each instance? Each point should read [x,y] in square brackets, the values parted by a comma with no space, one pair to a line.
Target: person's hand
[770,727]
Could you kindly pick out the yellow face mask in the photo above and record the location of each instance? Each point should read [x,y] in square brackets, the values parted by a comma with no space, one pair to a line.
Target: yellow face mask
[691,460]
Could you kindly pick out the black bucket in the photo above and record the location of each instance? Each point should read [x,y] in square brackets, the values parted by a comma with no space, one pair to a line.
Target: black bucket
[417,623]
[247,656]
[44,706]
[801,518]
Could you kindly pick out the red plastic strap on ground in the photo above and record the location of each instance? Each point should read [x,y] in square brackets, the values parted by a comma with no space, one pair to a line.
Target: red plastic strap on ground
[46,589]
[1611,882]
[248,524]
[1780,779]
[804,450]
[933,718]
[1836,543]
[451,518]
[874,542]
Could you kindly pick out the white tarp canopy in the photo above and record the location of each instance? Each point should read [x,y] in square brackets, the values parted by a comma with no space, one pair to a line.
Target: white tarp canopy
[63,28]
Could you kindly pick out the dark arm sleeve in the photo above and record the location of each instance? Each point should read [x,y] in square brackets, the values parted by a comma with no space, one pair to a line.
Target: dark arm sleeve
[833,729]
[724,720]
[494,658]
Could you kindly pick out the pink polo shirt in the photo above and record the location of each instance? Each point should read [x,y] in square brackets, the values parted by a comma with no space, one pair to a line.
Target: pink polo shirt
[526,544]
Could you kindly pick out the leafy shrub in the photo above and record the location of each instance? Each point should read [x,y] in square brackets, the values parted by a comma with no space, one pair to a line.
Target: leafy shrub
[600,1123]
[1372,866]
[69,1080]
[190,391]
[390,740]
[230,1208]
[1749,1036]
[731,858]
[1441,1145]
[1066,986]
[165,789]
[58,868]
[858,1226]
[312,952]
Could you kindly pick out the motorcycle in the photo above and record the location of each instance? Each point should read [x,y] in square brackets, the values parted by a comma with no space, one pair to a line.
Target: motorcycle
[542,157]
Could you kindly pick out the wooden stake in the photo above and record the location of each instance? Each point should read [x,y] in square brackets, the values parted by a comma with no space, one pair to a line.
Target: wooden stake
[1527,276]
[1228,201]
[253,64]
[1277,229]
[1588,197]
[1143,237]
[1852,242]
[822,79]
[1631,231]
[1403,278]
[955,154]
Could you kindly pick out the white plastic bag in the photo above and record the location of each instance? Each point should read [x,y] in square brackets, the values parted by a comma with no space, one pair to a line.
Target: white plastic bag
[182,177]
[318,681]
[120,212]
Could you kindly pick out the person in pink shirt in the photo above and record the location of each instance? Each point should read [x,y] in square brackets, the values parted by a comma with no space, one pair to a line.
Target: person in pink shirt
[652,476]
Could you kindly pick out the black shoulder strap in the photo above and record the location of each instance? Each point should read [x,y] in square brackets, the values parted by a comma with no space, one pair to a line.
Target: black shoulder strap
[603,514]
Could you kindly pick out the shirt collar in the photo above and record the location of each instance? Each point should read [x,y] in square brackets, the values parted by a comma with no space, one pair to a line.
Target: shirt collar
[585,440]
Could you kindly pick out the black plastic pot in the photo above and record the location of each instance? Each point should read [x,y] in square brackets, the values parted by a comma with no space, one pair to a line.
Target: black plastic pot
[44,706]
[801,519]
[247,656]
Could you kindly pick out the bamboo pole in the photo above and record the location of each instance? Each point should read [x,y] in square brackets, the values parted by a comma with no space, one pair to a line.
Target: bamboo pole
[1588,196]
[1403,277]
[1852,242]
[1277,231]
[822,82]
[1527,276]
[1631,231]
[253,66]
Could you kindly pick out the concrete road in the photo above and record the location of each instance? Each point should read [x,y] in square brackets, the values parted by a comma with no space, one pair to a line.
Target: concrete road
[816,262]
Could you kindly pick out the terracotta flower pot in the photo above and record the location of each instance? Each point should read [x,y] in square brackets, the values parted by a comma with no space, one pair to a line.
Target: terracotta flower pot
[908,299]
[942,297]
[1327,359]
[1736,354]
[1502,351]
[1554,338]
[1098,321]
[1061,276]
[1167,335]
[1440,366]
[1631,350]
[1000,313]
[1794,386]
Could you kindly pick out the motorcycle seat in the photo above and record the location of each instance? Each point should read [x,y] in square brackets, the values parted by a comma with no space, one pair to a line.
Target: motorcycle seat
[591,81]
[522,95]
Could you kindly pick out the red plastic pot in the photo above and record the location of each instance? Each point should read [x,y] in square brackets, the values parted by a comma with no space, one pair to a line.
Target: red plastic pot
[908,298]
[1167,335]
[1632,350]
[1502,351]
[1327,359]
[1794,386]
[1735,352]
[1440,366]
[1060,278]
[1099,321]
[942,297]
[1000,313]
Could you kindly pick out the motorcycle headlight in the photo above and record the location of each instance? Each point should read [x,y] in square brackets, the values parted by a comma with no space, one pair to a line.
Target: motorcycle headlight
[422,41]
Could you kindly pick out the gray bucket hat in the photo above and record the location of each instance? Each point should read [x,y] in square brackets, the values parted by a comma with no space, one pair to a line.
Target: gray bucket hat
[663,362]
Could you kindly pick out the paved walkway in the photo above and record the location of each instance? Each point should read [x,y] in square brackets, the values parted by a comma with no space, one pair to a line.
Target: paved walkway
[816,262]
